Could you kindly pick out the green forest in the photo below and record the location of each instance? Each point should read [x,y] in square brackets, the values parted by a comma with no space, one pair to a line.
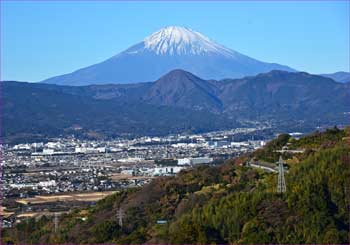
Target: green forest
[227,203]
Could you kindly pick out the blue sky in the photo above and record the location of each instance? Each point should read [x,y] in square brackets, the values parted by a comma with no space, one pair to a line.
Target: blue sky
[41,39]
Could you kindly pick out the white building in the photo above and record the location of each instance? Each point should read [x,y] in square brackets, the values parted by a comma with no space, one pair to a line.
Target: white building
[101,149]
[47,183]
[48,151]
[184,161]
[201,160]
[53,144]
[130,160]
[194,161]
[239,144]
[80,149]
[127,172]
[158,171]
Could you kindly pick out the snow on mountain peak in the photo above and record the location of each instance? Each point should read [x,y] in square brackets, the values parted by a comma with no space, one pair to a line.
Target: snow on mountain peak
[175,40]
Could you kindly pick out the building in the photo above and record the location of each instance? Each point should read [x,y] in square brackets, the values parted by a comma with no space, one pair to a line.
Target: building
[184,161]
[201,160]
[48,151]
[128,172]
[159,171]
[194,161]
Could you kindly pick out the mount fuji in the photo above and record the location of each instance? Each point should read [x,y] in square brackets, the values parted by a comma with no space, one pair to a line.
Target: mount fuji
[165,50]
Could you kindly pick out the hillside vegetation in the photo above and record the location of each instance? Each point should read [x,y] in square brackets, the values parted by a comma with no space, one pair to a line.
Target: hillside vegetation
[229,203]
[175,103]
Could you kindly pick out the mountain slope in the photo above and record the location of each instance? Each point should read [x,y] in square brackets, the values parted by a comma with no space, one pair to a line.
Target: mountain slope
[183,89]
[341,76]
[177,102]
[289,95]
[168,49]
[274,95]
[40,111]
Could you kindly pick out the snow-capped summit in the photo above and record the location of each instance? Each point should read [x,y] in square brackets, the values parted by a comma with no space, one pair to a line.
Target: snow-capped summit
[175,40]
[169,48]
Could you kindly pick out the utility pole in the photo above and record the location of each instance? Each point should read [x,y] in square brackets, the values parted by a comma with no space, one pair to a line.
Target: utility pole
[281,186]
[120,216]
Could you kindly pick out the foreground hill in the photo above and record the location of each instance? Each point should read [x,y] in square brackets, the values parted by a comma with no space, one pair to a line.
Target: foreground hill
[221,204]
[170,48]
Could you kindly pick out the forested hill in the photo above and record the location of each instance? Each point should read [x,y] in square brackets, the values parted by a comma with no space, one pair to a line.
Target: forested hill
[229,203]
[175,103]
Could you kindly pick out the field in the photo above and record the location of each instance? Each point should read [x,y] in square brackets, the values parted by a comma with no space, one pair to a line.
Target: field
[81,197]
[118,177]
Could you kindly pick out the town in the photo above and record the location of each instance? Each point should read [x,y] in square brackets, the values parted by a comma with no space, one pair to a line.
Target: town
[44,178]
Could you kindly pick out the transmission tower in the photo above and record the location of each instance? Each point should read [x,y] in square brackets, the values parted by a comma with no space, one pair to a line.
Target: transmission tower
[56,222]
[120,216]
[281,186]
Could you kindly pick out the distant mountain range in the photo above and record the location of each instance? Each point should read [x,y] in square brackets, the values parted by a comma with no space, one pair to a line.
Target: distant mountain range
[294,95]
[177,102]
[165,50]
[341,76]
